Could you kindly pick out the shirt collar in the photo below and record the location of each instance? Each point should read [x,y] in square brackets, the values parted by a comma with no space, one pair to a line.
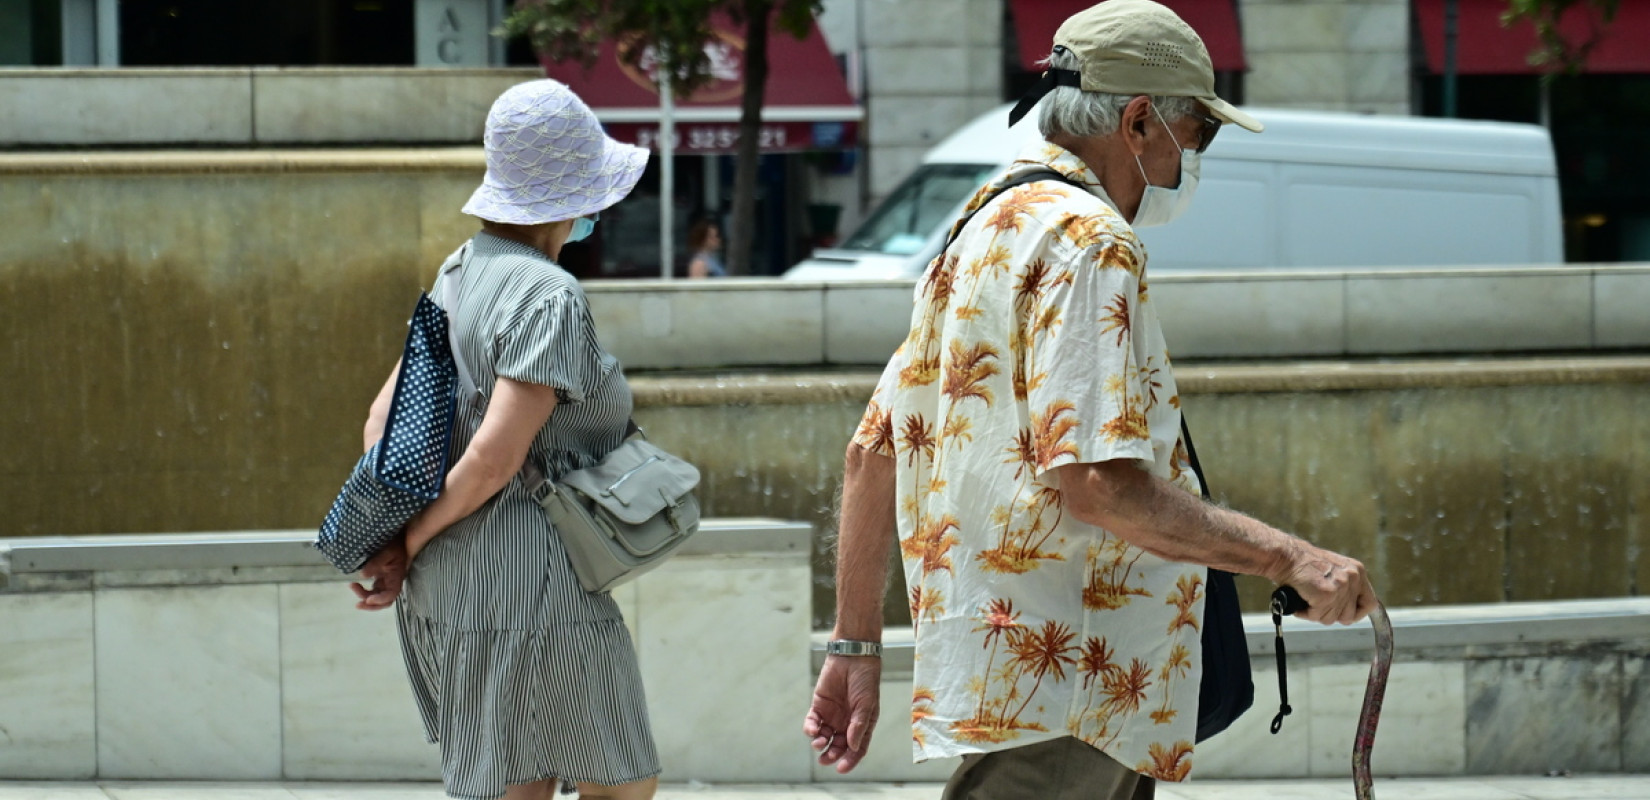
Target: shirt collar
[1047,155]
[489,244]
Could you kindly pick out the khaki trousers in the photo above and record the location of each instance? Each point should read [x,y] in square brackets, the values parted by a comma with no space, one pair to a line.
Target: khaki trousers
[1061,769]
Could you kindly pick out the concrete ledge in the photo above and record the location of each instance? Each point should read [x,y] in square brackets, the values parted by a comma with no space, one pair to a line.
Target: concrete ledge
[208,162]
[92,107]
[677,324]
[58,563]
[1332,376]
[1292,314]
[249,105]
[1571,624]
[664,390]
[654,390]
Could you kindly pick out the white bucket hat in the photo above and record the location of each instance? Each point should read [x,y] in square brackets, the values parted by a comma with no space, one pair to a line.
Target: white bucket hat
[549,160]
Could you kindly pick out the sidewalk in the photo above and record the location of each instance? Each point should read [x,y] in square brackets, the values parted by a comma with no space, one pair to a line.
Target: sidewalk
[1596,787]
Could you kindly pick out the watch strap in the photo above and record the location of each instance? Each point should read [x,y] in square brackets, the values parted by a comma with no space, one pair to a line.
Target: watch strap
[854,648]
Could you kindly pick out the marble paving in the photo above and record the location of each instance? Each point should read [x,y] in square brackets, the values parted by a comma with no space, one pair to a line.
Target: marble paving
[1599,787]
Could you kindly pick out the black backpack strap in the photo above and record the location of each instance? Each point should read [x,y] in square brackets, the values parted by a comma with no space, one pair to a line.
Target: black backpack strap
[1227,689]
[1029,177]
[1191,455]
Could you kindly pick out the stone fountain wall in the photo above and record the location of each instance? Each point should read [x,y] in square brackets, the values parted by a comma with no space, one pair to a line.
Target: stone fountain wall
[1456,482]
[190,342]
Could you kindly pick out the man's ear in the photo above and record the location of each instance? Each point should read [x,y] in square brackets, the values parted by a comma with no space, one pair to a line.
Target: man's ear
[1134,123]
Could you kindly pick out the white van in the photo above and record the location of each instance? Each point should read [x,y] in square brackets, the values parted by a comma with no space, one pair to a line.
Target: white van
[1317,189]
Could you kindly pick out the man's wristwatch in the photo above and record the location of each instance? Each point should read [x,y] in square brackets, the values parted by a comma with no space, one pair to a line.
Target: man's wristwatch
[850,647]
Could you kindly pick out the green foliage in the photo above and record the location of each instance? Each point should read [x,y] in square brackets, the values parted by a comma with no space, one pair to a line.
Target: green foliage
[675,30]
[1556,52]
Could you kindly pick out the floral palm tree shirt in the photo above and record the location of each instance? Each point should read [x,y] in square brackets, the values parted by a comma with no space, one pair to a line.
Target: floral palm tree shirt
[1033,344]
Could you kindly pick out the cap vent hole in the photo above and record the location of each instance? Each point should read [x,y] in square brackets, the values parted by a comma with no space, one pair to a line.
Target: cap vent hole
[1160,54]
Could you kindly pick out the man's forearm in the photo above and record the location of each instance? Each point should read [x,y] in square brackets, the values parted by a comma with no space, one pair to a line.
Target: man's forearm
[1160,518]
[865,532]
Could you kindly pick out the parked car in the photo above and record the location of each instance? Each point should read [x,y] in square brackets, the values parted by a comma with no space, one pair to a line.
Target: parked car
[1317,189]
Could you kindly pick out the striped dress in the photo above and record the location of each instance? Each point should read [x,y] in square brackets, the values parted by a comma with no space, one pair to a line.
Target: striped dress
[519,674]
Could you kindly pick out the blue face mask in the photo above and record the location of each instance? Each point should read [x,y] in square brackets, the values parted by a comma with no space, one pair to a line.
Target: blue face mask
[583,227]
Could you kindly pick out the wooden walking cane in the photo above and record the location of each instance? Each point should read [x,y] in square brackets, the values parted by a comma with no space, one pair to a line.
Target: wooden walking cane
[1286,601]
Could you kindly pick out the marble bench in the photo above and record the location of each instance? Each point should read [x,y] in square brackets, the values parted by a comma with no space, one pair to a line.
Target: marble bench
[240,656]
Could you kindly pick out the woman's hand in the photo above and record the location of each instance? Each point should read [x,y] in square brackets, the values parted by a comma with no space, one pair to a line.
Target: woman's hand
[387,570]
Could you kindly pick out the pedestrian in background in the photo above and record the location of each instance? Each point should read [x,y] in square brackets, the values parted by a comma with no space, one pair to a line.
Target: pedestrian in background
[524,679]
[1025,444]
[705,241]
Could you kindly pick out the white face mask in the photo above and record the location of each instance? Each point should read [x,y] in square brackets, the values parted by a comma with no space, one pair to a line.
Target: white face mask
[1158,205]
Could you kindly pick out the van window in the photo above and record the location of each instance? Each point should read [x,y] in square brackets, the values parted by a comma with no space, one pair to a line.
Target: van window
[925,201]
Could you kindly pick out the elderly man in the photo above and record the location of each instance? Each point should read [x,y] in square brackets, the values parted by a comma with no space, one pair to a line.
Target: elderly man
[1025,442]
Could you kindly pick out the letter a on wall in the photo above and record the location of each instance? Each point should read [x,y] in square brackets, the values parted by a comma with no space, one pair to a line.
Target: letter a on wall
[451,33]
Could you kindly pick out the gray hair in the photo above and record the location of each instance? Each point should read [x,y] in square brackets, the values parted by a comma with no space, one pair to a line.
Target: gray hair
[1074,112]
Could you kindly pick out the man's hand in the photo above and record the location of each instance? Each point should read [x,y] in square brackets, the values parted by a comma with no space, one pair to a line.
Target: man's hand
[387,571]
[1336,587]
[844,710]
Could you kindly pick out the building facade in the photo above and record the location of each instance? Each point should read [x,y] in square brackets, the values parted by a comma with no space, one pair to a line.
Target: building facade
[908,73]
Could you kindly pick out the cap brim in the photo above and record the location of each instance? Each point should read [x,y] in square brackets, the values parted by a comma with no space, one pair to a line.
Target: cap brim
[1230,113]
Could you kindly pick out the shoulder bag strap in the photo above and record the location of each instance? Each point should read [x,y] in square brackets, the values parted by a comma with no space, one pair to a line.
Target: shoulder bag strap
[452,287]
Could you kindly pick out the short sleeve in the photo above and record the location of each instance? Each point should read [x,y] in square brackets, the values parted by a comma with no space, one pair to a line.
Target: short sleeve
[553,343]
[1088,390]
[876,428]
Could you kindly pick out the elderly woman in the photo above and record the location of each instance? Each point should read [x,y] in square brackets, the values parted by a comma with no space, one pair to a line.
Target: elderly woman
[523,678]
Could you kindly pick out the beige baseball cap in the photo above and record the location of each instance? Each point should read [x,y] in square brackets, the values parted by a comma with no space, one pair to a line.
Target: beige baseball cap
[1142,47]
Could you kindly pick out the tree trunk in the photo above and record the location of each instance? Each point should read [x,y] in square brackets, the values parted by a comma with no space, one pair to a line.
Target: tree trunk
[742,227]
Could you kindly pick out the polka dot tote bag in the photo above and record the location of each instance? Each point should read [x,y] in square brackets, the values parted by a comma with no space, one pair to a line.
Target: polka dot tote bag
[405,470]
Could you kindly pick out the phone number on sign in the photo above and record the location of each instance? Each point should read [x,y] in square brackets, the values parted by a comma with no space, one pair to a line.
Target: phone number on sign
[694,137]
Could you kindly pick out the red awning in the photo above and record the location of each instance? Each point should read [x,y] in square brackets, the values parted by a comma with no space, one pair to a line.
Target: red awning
[1035,22]
[1483,47]
[808,105]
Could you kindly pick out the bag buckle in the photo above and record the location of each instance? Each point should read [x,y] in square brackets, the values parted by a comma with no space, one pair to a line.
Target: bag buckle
[670,512]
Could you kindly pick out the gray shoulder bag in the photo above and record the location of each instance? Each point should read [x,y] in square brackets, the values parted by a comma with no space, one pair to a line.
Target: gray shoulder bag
[624,516]
[619,518]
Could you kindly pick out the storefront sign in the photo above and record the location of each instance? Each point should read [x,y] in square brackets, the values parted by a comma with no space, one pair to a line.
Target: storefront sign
[702,138]
[807,103]
[725,53]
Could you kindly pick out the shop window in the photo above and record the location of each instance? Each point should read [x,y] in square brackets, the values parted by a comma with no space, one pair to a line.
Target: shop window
[31,33]
[1597,124]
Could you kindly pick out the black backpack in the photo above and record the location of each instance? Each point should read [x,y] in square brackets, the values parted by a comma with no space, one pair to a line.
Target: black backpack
[1228,689]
